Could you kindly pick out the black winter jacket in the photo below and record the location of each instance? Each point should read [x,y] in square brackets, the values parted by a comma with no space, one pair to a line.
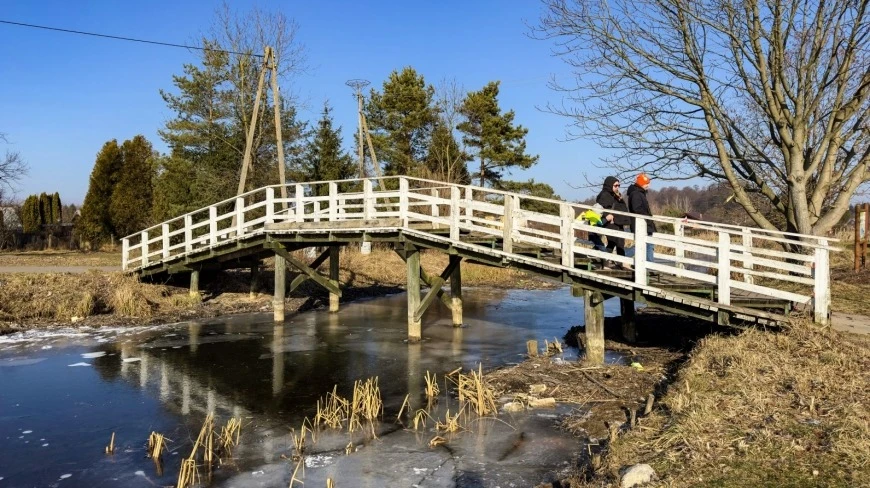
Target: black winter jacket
[638,204]
[610,200]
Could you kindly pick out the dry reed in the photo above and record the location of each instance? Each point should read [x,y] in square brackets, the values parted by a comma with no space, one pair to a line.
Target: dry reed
[474,390]
[331,410]
[228,439]
[366,403]
[110,449]
[188,476]
[156,445]
[405,405]
[432,389]
[451,423]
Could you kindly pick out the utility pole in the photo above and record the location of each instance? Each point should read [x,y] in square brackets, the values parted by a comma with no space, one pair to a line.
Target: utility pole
[357,86]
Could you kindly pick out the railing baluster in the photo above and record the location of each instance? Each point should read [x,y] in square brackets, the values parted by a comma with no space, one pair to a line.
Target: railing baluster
[270,205]
[723,275]
[508,224]
[333,201]
[403,200]
[368,200]
[435,211]
[640,237]
[679,247]
[212,225]
[747,252]
[125,253]
[300,203]
[240,217]
[454,212]
[165,234]
[188,233]
[822,284]
[567,232]
[469,206]
[145,248]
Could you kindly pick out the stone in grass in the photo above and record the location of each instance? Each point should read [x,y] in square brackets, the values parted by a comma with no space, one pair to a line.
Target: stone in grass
[549,402]
[637,475]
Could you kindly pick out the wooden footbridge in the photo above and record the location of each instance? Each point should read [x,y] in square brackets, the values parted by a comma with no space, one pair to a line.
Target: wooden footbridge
[716,272]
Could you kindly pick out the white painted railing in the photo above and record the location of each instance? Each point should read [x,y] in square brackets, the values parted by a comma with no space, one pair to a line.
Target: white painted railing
[727,258]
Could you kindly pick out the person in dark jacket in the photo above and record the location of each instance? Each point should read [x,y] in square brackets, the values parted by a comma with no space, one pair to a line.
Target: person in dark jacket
[611,199]
[639,204]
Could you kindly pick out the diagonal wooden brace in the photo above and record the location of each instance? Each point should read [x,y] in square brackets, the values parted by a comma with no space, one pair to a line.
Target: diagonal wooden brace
[304,277]
[435,291]
[312,274]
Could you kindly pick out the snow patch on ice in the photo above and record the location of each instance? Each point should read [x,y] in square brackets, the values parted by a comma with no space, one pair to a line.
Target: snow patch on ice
[65,476]
[131,360]
[92,355]
[79,364]
[317,461]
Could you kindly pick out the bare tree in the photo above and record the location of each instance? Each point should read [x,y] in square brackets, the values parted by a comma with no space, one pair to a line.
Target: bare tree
[448,157]
[768,96]
[12,168]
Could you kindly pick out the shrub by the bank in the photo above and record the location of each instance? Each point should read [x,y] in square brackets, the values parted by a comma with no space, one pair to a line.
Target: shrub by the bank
[760,409]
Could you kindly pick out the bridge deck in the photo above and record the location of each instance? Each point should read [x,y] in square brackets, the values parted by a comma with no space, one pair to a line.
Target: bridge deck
[708,270]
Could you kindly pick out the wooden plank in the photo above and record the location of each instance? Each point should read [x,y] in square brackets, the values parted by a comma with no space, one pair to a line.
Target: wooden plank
[301,266]
[341,224]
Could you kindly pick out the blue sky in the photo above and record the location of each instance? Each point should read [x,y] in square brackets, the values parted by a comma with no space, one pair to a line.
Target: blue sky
[62,95]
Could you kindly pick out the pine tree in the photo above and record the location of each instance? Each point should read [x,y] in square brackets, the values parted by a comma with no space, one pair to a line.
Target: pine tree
[324,159]
[174,189]
[30,214]
[446,160]
[56,209]
[130,207]
[499,144]
[95,223]
[401,119]
[44,209]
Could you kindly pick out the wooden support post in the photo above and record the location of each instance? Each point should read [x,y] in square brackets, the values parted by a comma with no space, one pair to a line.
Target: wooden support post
[304,268]
[255,276]
[629,330]
[435,285]
[270,203]
[822,285]
[333,201]
[194,283]
[299,211]
[593,307]
[188,233]
[413,265]
[212,226]
[125,253]
[456,291]
[334,252]
[164,233]
[276,104]
[403,200]
[280,287]
[144,248]
[240,217]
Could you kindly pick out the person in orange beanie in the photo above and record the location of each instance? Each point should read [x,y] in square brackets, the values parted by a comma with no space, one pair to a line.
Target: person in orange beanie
[639,204]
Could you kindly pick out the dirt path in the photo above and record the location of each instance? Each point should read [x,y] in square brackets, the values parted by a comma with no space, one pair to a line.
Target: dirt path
[850,322]
[56,269]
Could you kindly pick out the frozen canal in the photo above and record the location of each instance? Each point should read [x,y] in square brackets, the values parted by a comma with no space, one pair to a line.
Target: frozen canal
[63,393]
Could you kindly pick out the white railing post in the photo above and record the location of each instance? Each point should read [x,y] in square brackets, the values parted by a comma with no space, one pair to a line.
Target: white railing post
[508,224]
[403,200]
[317,211]
[212,225]
[333,201]
[822,284]
[567,232]
[640,236]
[679,247]
[188,233]
[435,210]
[240,217]
[300,203]
[747,252]
[368,200]
[454,213]
[469,205]
[125,253]
[723,275]
[164,229]
[270,205]
[145,248]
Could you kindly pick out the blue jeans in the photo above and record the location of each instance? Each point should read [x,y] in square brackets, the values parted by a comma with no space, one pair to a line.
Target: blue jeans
[597,242]
[650,250]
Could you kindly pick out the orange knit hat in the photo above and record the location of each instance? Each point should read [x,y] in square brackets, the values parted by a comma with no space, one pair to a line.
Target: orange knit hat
[642,180]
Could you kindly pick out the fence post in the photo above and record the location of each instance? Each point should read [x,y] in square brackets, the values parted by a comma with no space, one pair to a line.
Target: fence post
[212,225]
[747,253]
[567,213]
[125,253]
[508,224]
[435,210]
[188,233]
[368,200]
[300,204]
[240,217]
[270,205]
[679,247]
[145,248]
[164,230]
[454,213]
[469,206]
[723,275]
[640,236]
[822,284]
[403,200]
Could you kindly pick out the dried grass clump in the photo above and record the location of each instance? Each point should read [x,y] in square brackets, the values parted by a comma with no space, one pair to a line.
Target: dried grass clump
[331,410]
[188,476]
[228,438]
[432,389]
[366,404]
[156,445]
[129,298]
[476,392]
[762,409]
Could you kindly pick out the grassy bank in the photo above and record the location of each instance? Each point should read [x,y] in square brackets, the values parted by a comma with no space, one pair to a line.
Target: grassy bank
[95,297]
[760,408]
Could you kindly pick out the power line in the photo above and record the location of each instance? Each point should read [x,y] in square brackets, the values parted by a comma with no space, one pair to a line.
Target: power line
[131,39]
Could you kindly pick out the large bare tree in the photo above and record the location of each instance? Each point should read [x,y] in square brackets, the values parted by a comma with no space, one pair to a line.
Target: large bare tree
[770,96]
[12,168]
